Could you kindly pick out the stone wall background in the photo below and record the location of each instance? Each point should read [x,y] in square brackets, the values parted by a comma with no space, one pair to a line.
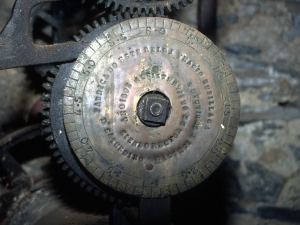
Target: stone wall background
[262,42]
[261,175]
[259,182]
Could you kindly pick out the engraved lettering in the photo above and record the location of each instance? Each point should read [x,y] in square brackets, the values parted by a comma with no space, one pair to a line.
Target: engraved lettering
[121,59]
[84,141]
[148,30]
[162,31]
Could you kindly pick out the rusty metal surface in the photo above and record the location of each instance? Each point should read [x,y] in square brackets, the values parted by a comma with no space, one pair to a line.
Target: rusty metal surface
[17,52]
[16,45]
[100,107]
[150,108]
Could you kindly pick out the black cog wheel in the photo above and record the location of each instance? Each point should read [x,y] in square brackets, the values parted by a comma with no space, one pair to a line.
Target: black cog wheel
[53,109]
[53,128]
[146,6]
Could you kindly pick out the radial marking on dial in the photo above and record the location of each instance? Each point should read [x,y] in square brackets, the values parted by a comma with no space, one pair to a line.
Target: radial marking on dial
[149,55]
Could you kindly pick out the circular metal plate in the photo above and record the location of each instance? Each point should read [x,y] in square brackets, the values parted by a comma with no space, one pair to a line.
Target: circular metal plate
[151,55]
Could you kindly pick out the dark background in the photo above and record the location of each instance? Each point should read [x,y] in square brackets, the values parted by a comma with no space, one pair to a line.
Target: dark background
[259,182]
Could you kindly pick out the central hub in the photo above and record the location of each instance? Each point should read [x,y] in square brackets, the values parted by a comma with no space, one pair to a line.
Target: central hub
[156,109]
[153,109]
[134,107]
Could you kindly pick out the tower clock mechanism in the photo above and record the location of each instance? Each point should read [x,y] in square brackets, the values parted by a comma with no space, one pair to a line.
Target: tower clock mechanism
[138,109]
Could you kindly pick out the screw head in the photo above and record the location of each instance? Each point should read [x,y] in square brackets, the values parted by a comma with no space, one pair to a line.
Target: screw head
[156,109]
[153,109]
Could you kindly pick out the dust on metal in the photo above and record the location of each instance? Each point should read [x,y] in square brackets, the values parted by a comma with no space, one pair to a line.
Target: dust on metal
[101,107]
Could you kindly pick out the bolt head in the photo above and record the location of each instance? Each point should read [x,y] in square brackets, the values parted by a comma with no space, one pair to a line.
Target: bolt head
[156,110]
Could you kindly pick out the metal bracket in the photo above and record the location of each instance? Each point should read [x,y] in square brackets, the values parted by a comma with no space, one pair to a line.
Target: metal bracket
[16,45]
[149,212]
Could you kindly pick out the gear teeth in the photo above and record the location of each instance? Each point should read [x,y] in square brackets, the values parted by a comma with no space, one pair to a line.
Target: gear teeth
[45,112]
[49,138]
[82,33]
[50,79]
[104,196]
[88,28]
[65,167]
[135,15]
[46,97]
[47,130]
[161,9]
[103,21]
[82,184]
[70,173]
[96,193]
[96,24]
[176,6]
[131,9]
[46,122]
[56,154]
[60,160]
[116,6]
[76,179]
[139,11]
[76,38]
[111,18]
[183,3]
[89,188]
[53,71]
[169,8]
[46,104]
[108,3]
[154,10]
[111,198]
[123,9]
[119,16]
[47,86]
[53,146]
[126,15]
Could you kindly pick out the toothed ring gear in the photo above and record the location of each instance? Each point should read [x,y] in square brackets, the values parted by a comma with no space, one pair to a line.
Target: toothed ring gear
[137,73]
[53,110]
[152,6]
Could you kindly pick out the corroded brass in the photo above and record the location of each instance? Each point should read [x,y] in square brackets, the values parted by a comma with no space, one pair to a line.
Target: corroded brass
[151,55]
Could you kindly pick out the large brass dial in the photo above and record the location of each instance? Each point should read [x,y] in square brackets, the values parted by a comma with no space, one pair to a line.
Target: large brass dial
[151,107]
